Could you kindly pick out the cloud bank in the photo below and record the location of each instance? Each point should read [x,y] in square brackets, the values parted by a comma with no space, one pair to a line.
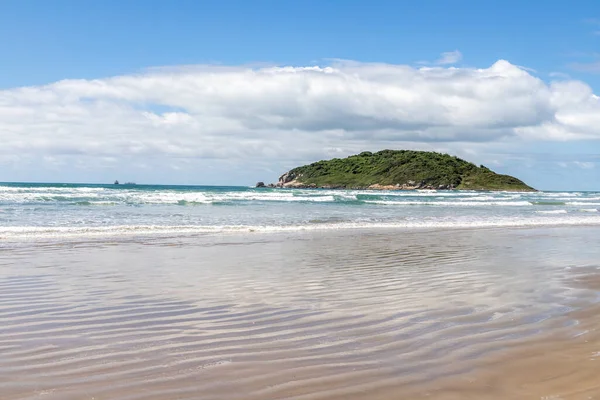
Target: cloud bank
[275,113]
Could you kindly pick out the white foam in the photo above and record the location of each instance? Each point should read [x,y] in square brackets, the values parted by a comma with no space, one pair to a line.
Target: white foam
[481,198]
[561,194]
[126,196]
[133,196]
[451,203]
[552,212]
[397,193]
[28,232]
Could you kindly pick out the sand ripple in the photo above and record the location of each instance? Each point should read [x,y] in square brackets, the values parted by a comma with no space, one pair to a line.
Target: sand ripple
[308,316]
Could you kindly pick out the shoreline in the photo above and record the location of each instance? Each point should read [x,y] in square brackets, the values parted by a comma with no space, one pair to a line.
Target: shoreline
[42,234]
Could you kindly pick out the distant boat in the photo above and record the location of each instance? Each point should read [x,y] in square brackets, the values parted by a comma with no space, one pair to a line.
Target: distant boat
[116,182]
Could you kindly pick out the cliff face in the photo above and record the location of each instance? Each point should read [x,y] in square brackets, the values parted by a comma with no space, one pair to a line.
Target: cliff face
[399,170]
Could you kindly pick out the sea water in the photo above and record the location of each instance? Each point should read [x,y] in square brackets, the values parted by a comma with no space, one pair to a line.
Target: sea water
[58,210]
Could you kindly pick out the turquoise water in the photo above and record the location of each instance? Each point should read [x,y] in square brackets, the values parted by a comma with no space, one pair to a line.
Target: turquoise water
[57,210]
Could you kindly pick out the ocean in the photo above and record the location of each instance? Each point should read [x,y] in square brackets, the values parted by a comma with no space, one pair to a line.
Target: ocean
[34,211]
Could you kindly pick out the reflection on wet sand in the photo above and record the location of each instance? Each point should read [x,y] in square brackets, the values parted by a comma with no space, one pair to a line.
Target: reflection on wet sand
[368,315]
[556,366]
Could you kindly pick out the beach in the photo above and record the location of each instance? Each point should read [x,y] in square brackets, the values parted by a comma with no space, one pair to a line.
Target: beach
[378,313]
[299,200]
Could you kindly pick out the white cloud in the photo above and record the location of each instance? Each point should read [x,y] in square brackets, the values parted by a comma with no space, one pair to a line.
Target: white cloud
[450,57]
[241,115]
[578,164]
[527,69]
[584,164]
[559,75]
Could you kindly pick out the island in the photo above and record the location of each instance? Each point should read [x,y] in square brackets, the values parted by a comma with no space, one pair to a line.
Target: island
[399,170]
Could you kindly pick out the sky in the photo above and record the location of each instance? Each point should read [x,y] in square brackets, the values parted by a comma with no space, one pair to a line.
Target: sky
[235,92]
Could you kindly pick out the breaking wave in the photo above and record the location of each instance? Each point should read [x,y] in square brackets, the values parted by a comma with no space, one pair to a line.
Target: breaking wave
[38,210]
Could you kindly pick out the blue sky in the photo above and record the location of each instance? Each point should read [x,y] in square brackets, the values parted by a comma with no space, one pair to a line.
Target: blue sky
[62,39]
[46,42]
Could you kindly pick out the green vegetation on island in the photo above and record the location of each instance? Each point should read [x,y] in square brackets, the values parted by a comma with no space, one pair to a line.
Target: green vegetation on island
[399,169]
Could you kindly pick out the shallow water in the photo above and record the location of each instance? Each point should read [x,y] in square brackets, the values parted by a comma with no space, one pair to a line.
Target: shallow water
[310,315]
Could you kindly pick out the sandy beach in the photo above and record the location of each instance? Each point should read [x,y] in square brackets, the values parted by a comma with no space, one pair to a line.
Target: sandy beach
[299,200]
[357,314]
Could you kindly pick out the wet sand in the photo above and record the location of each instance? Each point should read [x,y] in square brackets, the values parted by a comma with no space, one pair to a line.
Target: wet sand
[481,314]
[555,365]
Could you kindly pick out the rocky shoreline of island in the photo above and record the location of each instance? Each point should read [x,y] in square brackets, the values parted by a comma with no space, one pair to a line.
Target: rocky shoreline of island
[290,182]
